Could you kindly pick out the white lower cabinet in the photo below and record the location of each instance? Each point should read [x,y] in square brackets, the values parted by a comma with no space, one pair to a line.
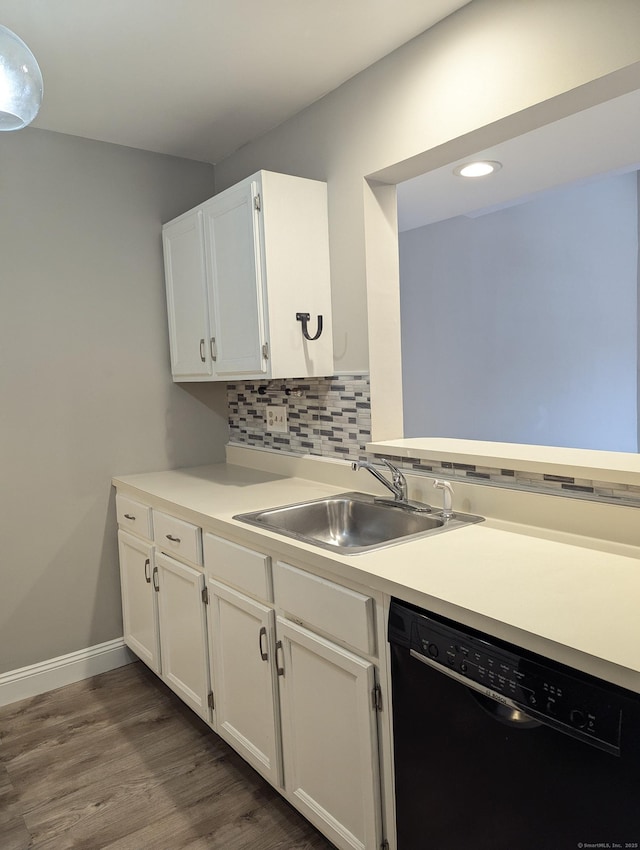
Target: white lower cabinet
[296,704]
[139,606]
[291,657]
[330,737]
[163,606]
[183,632]
[242,649]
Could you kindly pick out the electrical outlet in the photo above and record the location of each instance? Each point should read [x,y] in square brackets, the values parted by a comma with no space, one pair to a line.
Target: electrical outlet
[276,418]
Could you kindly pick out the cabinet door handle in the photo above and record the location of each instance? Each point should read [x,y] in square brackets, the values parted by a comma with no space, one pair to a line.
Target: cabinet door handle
[156,584]
[147,573]
[129,516]
[214,350]
[172,538]
[279,670]
[202,357]
[264,655]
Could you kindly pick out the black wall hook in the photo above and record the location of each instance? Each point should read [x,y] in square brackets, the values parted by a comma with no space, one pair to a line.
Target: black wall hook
[304,318]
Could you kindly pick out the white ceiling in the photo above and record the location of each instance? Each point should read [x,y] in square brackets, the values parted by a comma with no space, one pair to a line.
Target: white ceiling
[596,141]
[200,78]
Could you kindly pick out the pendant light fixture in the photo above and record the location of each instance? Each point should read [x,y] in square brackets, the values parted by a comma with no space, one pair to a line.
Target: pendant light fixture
[20,82]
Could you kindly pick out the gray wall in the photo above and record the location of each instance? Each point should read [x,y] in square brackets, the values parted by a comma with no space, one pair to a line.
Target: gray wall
[521,326]
[85,387]
[85,382]
[476,67]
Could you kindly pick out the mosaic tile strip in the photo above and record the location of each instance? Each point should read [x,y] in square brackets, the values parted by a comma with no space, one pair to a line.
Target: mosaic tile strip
[533,482]
[329,417]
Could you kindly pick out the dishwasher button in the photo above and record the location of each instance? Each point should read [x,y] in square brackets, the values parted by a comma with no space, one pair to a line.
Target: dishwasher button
[578,718]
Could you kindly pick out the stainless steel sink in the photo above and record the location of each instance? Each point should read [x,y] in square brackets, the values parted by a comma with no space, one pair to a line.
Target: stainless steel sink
[353,522]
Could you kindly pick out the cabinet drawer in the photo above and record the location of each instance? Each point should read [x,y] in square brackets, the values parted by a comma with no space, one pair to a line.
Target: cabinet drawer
[238,566]
[344,614]
[133,516]
[177,537]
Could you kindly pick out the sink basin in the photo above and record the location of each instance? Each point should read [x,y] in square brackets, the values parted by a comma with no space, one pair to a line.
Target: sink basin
[353,522]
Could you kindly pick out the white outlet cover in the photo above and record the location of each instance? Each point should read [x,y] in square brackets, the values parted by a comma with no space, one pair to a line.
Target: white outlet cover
[276,418]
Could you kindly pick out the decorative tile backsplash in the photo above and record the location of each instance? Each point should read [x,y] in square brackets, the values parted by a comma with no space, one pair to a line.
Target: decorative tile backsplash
[331,417]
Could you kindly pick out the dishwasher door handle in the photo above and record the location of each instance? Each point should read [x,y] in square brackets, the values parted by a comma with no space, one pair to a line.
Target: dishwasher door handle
[501,707]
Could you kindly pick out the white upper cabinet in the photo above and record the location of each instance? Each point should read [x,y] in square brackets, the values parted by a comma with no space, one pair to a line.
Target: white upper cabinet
[236,296]
[240,271]
[186,281]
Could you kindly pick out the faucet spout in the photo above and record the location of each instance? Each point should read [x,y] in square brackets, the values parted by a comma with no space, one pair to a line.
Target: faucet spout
[398,483]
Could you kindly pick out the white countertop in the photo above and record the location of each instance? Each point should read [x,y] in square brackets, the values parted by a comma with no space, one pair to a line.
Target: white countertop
[574,601]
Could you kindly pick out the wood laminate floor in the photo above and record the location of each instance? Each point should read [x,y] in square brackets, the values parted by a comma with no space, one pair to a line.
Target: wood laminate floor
[118,762]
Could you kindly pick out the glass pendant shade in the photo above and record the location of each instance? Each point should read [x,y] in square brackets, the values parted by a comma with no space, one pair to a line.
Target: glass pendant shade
[20,82]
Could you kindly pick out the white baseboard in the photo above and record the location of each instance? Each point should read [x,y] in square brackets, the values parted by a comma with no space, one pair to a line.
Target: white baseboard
[64,670]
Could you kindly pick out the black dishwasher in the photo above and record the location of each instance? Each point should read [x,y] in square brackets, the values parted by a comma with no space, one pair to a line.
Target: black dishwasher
[497,748]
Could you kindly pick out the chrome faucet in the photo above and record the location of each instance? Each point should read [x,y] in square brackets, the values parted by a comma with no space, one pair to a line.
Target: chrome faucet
[398,484]
[447,497]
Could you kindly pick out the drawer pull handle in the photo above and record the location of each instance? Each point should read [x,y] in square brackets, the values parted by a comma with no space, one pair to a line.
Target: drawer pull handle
[279,670]
[172,538]
[264,655]
[147,573]
[156,584]
[129,516]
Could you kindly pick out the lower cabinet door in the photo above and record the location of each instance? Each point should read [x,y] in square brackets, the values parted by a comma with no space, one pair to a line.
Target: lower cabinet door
[241,634]
[139,605]
[329,737]
[183,632]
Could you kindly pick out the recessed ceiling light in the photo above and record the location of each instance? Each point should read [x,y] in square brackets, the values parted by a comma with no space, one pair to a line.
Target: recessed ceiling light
[478,168]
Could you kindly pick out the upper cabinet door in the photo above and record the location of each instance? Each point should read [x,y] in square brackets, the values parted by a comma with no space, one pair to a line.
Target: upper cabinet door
[187,306]
[237,312]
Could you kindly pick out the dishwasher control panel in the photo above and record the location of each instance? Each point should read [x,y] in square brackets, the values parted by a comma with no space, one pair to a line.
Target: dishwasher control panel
[568,700]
